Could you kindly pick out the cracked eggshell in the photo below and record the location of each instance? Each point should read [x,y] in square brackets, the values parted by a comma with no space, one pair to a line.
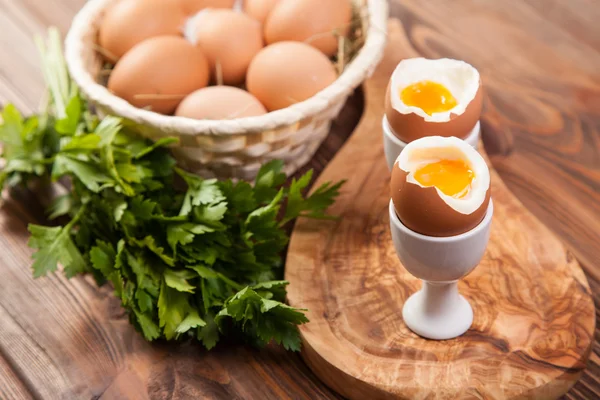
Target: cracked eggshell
[428,211]
[411,123]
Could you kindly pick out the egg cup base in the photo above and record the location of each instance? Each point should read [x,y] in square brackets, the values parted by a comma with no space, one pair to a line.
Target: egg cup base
[437,311]
[393,146]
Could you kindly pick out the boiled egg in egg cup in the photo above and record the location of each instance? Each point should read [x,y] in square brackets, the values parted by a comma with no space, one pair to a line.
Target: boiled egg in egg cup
[440,217]
[425,97]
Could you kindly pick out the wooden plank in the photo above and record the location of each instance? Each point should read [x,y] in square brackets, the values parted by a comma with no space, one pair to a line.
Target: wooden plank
[557,127]
[11,386]
[70,340]
[78,337]
[541,124]
[49,330]
[527,291]
[36,371]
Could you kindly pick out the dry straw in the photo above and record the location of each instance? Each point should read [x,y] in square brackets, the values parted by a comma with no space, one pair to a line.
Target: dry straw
[236,148]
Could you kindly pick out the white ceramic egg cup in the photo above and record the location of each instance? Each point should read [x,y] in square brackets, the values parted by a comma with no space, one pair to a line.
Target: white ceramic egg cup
[392,146]
[438,311]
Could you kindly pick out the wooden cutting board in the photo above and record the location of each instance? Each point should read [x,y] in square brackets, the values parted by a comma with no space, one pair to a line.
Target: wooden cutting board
[534,316]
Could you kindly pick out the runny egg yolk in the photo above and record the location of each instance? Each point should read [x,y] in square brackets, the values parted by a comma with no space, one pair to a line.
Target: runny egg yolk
[431,97]
[451,177]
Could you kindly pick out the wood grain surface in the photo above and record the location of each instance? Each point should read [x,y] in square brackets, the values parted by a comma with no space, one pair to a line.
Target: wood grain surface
[534,316]
[539,60]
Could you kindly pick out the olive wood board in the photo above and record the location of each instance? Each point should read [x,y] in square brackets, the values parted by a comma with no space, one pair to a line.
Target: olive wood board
[534,316]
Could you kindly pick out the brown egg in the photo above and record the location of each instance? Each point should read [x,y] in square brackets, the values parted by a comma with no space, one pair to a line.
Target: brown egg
[443,79]
[435,202]
[220,102]
[128,22]
[286,73]
[193,6]
[315,22]
[230,41]
[259,9]
[158,73]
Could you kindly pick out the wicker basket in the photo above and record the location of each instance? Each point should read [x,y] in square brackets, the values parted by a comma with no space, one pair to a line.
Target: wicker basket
[231,148]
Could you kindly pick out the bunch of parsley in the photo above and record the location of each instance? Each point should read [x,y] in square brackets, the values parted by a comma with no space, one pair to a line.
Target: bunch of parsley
[186,256]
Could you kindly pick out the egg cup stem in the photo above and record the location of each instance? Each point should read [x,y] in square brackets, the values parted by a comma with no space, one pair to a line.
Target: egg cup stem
[438,311]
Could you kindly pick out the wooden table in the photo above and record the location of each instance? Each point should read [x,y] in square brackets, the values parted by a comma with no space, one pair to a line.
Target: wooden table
[539,60]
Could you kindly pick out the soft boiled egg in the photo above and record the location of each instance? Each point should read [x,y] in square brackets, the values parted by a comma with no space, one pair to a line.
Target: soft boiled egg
[440,97]
[440,186]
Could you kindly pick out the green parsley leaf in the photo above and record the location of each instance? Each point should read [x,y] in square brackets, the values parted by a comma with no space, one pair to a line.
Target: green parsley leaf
[22,146]
[209,333]
[144,300]
[80,143]
[150,329]
[268,180]
[200,192]
[68,125]
[142,208]
[102,257]
[196,258]
[184,233]
[192,320]
[211,214]
[55,245]
[172,309]
[268,319]
[178,280]
[88,173]
[107,130]
[60,206]
[150,243]
[313,206]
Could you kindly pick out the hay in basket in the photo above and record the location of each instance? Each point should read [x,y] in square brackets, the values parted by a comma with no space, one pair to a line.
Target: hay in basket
[236,148]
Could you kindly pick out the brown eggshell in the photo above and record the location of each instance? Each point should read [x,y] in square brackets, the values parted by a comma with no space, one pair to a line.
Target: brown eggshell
[228,39]
[167,66]
[220,102]
[310,21]
[422,210]
[259,9]
[409,127]
[286,73]
[193,6]
[129,22]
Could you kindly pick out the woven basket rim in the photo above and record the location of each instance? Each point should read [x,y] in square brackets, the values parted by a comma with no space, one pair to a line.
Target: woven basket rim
[367,58]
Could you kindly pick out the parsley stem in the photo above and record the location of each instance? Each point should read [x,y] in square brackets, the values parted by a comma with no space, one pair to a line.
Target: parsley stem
[231,283]
[76,218]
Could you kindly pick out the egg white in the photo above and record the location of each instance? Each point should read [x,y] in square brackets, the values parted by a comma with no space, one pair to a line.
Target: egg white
[459,77]
[432,149]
